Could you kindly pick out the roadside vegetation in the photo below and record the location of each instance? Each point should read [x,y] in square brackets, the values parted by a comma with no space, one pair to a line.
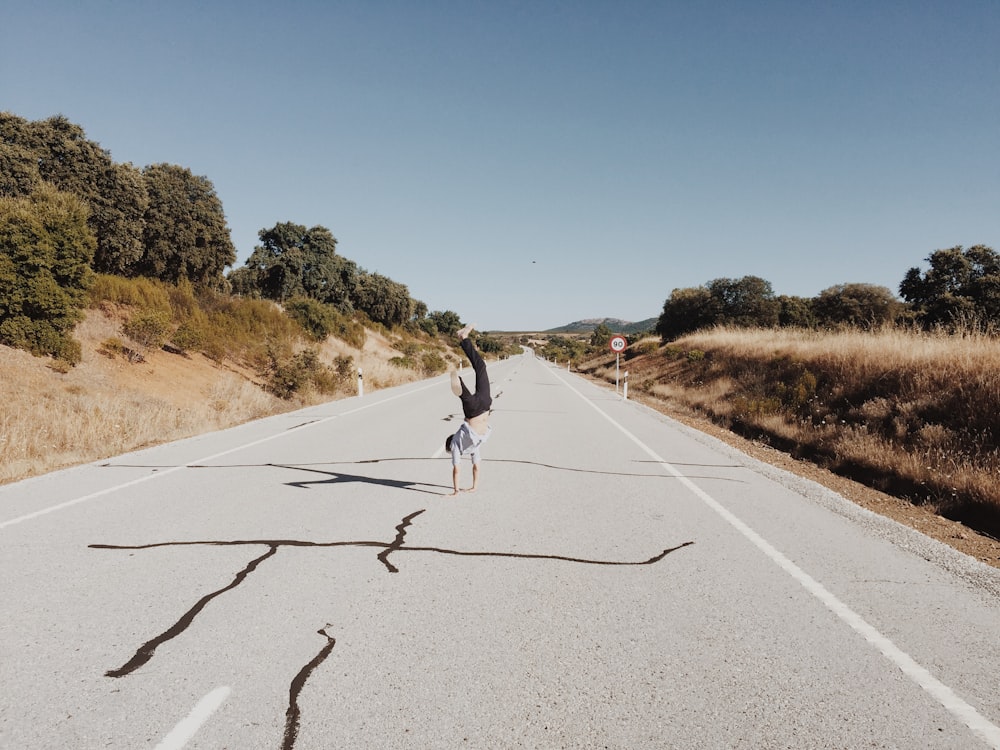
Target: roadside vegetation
[116,281]
[157,362]
[120,279]
[900,395]
[908,412]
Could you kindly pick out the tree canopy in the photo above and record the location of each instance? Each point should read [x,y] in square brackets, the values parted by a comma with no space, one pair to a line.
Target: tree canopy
[863,306]
[58,152]
[960,289]
[161,222]
[186,236]
[600,336]
[748,301]
[293,261]
[442,321]
[45,252]
[383,300]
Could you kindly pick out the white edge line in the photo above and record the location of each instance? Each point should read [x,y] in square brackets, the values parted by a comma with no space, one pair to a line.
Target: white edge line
[965,713]
[171,470]
[189,726]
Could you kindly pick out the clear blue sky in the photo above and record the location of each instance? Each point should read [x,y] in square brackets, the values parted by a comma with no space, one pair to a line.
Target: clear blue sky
[527,164]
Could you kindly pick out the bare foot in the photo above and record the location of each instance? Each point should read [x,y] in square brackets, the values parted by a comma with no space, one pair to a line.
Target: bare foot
[463,333]
[456,385]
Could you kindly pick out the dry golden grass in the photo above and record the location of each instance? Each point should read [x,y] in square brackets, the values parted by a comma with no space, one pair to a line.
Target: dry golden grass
[931,357]
[910,413]
[52,417]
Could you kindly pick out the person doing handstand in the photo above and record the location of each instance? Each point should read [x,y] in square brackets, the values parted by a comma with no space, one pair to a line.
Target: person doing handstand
[476,406]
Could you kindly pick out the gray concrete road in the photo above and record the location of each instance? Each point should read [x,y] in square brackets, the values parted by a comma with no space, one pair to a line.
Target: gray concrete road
[618,581]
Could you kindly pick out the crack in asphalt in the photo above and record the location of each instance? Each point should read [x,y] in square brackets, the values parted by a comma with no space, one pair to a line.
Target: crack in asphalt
[294,714]
[146,650]
[397,543]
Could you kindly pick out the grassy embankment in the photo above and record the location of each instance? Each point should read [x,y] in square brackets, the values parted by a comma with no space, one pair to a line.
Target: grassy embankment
[914,415]
[162,363]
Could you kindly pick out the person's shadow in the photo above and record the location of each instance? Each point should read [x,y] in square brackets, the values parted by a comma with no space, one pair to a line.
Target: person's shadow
[340,477]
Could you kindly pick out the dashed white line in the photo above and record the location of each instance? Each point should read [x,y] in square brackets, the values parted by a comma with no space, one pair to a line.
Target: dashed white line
[189,726]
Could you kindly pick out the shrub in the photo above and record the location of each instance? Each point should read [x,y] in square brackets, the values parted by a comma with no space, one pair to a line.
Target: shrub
[148,294]
[408,348]
[46,249]
[148,329]
[432,363]
[350,331]
[113,347]
[672,352]
[802,391]
[285,377]
[317,320]
[189,336]
[244,329]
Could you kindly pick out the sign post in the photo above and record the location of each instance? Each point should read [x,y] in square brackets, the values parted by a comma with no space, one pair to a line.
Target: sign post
[617,344]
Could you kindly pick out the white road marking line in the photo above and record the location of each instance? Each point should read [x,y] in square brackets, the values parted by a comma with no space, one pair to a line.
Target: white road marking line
[189,726]
[171,470]
[980,725]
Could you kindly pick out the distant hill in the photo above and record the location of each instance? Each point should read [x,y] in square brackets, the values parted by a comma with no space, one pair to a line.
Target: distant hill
[615,324]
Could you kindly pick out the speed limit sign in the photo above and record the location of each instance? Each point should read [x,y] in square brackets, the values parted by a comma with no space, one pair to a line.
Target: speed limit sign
[617,344]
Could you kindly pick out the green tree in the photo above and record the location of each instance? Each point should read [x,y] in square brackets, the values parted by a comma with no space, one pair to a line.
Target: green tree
[795,312]
[445,322]
[961,288]
[18,170]
[318,319]
[118,216]
[186,236]
[600,336]
[747,302]
[293,261]
[45,252]
[863,306]
[243,282]
[58,151]
[19,175]
[383,300]
[419,310]
[687,310]
[489,344]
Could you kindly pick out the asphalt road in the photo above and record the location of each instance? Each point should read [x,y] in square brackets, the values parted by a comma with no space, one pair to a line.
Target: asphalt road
[617,581]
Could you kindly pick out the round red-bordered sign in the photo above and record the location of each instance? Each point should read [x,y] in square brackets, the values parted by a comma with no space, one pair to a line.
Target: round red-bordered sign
[617,344]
